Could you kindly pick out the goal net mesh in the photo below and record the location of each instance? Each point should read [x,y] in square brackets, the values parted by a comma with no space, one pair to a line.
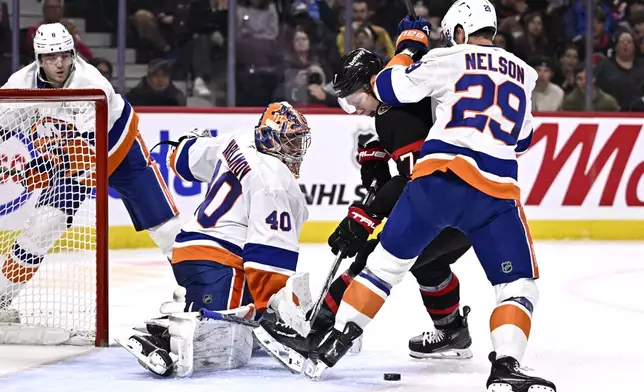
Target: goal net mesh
[48,222]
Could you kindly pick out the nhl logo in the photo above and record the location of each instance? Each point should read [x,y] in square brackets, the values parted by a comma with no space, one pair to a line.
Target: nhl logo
[207,298]
[506,267]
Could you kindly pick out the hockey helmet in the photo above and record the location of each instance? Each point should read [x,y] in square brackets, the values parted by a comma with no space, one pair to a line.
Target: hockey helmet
[52,38]
[284,133]
[471,16]
[357,68]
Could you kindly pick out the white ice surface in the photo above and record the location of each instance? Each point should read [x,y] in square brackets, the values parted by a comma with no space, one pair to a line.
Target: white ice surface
[586,334]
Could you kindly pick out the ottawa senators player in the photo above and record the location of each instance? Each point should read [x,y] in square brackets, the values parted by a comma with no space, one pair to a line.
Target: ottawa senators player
[401,131]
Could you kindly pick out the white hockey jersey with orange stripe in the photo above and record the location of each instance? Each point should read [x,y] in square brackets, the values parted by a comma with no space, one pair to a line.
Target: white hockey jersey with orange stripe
[483,117]
[122,121]
[251,216]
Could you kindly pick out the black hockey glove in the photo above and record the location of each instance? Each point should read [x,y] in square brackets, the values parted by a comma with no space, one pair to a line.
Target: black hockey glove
[373,164]
[354,230]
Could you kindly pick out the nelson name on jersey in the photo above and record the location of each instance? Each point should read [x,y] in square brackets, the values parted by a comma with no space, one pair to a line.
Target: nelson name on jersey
[494,63]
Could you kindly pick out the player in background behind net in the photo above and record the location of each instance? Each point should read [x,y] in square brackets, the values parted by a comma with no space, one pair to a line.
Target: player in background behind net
[401,131]
[239,252]
[465,177]
[63,167]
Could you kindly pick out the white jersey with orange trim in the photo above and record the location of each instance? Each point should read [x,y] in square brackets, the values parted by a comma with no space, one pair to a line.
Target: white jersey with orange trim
[122,121]
[251,216]
[483,117]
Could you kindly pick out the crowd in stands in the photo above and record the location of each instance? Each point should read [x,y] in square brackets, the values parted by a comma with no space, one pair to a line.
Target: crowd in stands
[290,49]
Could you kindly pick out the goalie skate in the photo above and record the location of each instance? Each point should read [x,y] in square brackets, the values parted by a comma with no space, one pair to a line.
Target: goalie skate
[151,353]
[270,342]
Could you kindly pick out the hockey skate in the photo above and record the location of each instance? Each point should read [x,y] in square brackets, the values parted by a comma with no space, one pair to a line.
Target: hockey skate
[333,347]
[282,342]
[506,377]
[444,343]
[153,352]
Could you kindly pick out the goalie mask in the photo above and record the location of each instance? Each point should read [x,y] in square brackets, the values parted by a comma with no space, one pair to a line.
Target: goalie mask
[284,133]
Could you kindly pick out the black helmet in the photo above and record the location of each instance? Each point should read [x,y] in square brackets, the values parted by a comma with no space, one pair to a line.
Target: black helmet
[357,68]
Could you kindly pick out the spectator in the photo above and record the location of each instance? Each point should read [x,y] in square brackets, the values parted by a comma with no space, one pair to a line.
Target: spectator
[534,42]
[304,75]
[565,73]
[547,96]
[103,66]
[576,100]
[364,38]
[257,32]
[575,19]
[509,13]
[321,39]
[156,88]
[361,18]
[153,23]
[52,12]
[199,29]
[622,76]
[5,44]
[319,10]
[601,39]
[504,40]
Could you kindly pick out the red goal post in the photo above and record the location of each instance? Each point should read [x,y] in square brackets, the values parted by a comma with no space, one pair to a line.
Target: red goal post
[38,103]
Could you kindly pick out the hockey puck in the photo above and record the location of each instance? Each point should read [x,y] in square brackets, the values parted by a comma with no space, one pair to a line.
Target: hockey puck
[392,376]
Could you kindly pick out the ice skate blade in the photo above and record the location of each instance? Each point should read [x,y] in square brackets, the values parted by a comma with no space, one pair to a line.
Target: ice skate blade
[458,354]
[290,359]
[149,362]
[501,387]
[313,370]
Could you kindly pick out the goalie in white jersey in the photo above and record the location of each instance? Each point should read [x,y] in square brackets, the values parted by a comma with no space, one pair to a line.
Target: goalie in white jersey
[465,177]
[62,169]
[240,247]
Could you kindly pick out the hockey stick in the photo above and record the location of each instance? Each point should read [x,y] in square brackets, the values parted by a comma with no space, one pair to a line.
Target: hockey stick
[229,318]
[338,260]
[410,9]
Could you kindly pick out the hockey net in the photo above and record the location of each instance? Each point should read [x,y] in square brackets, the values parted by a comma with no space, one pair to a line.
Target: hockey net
[53,223]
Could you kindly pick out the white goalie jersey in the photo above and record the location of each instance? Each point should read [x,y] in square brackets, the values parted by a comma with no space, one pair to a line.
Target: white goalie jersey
[251,216]
[122,123]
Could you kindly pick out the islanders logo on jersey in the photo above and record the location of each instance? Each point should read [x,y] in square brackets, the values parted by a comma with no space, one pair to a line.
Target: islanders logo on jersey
[47,135]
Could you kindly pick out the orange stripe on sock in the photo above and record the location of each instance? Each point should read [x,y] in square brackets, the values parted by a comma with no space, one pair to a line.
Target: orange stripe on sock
[17,273]
[237,289]
[362,299]
[510,314]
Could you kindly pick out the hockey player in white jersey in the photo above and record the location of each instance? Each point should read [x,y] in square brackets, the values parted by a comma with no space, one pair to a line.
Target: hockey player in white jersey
[64,177]
[465,177]
[239,249]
